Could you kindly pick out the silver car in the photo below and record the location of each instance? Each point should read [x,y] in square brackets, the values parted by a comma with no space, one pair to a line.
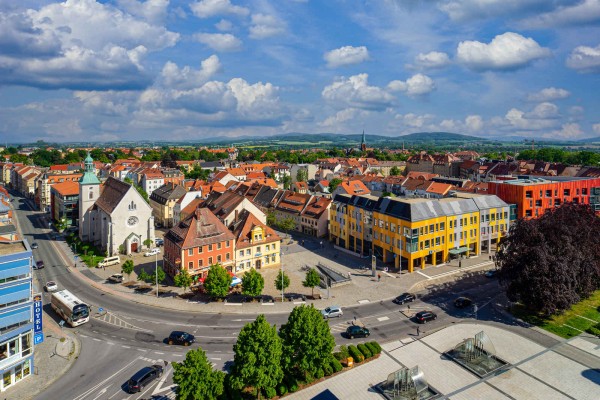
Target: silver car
[331,312]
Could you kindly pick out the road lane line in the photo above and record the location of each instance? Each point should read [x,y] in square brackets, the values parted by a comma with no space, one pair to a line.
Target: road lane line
[95,387]
[125,347]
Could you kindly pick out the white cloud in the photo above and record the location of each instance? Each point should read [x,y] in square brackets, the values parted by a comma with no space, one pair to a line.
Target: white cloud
[585,59]
[224,25]
[549,94]
[474,123]
[341,117]
[505,52]
[416,85]
[461,10]
[185,78]
[346,55]
[596,128]
[219,41]
[577,14]
[576,111]
[526,121]
[150,10]
[211,8]
[356,92]
[433,59]
[566,131]
[543,111]
[265,26]
[414,120]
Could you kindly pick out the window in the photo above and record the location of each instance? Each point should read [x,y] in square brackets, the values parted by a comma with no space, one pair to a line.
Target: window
[437,241]
[273,258]
[210,248]
[219,246]
[190,252]
[566,192]
[529,194]
[427,243]
[258,249]
[210,261]
[538,203]
[26,344]
[227,256]
[200,263]
[191,265]
[442,226]
[274,246]
[528,213]
[200,249]
[267,247]
[227,244]
[241,253]
[430,228]
[548,193]
[584,191]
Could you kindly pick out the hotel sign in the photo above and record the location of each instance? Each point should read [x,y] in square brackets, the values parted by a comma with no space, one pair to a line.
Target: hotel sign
[38,334]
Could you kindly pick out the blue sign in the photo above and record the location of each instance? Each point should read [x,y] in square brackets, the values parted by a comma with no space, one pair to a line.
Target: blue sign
[38,338]
[100,309]
[37,318]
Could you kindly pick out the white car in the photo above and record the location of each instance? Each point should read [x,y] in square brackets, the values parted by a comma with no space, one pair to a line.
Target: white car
[331,312]
[51,286]
[152,252]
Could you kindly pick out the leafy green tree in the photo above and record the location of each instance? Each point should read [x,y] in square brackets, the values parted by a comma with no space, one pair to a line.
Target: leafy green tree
[333,184]
[144,276]
[271,218]
[127,268]
[287,181]
[196,379]
[253,283]
[302,175]
[394,171]
[287,224]
[148,243]
[282,281]
[550,263]
[160,273]
[183,279]
[257,357]
[311,280]
[217,282]
[142,193]
[307,342]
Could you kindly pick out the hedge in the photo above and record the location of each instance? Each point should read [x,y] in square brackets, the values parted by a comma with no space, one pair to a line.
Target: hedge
[327,369]
[336,365]
[594,330]
[371,348]
[356,355]
[270,392]
[376,346]
[364,350]
[282,389]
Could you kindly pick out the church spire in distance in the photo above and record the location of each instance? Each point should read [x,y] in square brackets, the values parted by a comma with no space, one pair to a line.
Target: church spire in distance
[363,142]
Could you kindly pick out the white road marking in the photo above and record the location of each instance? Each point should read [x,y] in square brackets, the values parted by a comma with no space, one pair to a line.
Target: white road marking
[158,352]
[142,350]
[363,301]
[216,358]
[125,347]
[381,319]
[95,387]
[96,340]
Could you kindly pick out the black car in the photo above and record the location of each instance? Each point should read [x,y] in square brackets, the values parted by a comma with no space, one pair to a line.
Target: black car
[159,242]
[462,302]
[39,265]
[179,337]
[491,273]
[357,331]
[143,378]
[405,298]
[34,245]
[423,317]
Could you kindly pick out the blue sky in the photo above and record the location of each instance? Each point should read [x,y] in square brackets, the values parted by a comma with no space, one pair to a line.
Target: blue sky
[84,70]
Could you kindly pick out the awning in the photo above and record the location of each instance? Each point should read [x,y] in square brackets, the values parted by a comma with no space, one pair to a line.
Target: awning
[460,250]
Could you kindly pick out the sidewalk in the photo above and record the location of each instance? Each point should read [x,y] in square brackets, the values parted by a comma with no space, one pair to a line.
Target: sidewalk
[363,288]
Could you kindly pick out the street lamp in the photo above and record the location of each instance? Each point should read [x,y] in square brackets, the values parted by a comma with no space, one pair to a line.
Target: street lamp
[156,271]
[281,263]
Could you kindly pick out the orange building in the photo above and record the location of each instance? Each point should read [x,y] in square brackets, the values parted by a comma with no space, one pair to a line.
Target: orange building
[533,196]
[198,242]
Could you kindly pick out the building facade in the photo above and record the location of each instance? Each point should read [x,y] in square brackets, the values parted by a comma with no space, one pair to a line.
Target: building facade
[257,245]
[16,313]
[64,203]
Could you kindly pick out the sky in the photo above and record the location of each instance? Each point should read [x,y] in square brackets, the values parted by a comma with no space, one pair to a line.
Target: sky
[106,70]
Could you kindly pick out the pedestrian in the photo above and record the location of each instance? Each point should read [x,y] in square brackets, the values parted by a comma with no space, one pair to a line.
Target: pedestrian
[378,277]
[104,267]
[460,264]
[409,307]
[321,243]
[418,330]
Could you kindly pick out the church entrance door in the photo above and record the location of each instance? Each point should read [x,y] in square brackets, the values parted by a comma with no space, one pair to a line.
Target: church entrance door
[134,247]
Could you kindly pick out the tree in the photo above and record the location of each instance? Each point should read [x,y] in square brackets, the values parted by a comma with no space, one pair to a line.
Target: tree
[161,275]
[148,243]
[257,357]
[217,282]
[287,224]
[333,184]
[302,175]
[196,379]
[287,181]
[307,342]
[143,276]
[552,262]
[85,248]
[282,281]
[183,279]
[253,283]
[312,279]
[127,268]
[394,171]
[271,218]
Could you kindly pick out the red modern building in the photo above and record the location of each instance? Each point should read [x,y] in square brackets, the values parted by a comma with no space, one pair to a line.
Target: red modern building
[534,196]
[198,242]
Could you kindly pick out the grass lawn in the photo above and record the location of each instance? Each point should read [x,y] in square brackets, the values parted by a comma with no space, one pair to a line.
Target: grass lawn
[569,323]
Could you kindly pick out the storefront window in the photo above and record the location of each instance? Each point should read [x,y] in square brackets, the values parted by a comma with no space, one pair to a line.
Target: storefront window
[26,344]
[26,369]
[7,379]
[3,351]
[13,347]
[18,372]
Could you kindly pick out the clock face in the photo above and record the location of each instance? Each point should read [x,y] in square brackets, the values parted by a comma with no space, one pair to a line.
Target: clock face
[132,221]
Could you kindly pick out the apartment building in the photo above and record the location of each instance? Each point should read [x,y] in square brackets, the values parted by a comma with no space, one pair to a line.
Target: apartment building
[257,246]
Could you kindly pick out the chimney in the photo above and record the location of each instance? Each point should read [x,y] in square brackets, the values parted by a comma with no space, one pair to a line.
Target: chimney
[236,215]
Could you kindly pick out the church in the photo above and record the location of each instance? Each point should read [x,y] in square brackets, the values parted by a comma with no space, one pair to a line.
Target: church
[118,220]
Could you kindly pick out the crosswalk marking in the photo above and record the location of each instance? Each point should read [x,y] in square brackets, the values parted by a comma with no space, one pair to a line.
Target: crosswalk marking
[113,319]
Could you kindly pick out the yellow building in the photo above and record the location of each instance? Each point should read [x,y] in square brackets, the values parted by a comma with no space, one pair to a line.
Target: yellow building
[411,233]
[257,245]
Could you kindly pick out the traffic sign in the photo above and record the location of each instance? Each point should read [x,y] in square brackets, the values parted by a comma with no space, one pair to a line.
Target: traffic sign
[100,309]
[38,338]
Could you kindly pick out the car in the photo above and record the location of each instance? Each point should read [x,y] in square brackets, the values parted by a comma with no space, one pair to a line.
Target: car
[159,242]
[51,286]
[405,298]
[333,311]
[39,265]
[34,245]
[152,252]
[491,273]
[423,317]
[462,302]
[143,378]
[357,331]
[116,278]
[179,337]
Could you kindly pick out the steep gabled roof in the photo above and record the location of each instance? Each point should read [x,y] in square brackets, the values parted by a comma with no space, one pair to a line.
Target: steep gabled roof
[199,229]
[242,230]
[168,191]
[112,194]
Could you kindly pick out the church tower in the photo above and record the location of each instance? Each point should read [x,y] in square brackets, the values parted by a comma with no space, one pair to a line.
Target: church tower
[363,142]
[89,191]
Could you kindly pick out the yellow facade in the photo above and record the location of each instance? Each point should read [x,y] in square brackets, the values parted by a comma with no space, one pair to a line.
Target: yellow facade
[263,252]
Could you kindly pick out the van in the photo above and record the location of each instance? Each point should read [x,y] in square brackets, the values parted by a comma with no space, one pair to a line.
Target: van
[109,261]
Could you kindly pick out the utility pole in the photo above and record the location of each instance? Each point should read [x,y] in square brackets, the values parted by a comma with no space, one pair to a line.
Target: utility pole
[156,271]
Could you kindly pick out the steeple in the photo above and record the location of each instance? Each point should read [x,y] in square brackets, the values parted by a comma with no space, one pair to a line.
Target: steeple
[363,142]
[89,177]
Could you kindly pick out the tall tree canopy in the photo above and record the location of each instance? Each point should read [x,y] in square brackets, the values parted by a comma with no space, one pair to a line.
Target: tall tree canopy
[253,283]
[196,378]
[552,262]
[217,282]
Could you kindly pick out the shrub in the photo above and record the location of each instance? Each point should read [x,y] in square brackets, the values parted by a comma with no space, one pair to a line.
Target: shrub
[594,330]
[344,351]
[363,349]
[293,387]
[327,369]
[270,392]
[377,347]
[371,348]
[338,356]
[356,354]
[319,374]
[282,389]
[336,365]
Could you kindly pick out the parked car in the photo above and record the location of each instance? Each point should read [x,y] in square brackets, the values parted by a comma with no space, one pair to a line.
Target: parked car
[51,286]
[405,298]
[39,265]
[34,245]
[462,302]
[423,317]
[491,273]
[357,331]
[333,311]
[179,337]
[152,252]
[143,378]
[116,278]
[159,242]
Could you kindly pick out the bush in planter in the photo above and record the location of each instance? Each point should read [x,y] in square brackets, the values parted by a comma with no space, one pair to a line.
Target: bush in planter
[327,369]
[319,374]
[364,350]
[282,389]
[270,393]
[356,354]
[376,346]
[293,387]
[336,365]
[369,346]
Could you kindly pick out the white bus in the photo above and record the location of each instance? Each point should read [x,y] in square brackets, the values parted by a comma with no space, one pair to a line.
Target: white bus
[74,311]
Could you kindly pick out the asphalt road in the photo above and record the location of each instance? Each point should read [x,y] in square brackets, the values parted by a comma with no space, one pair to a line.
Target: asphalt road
[131,335]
